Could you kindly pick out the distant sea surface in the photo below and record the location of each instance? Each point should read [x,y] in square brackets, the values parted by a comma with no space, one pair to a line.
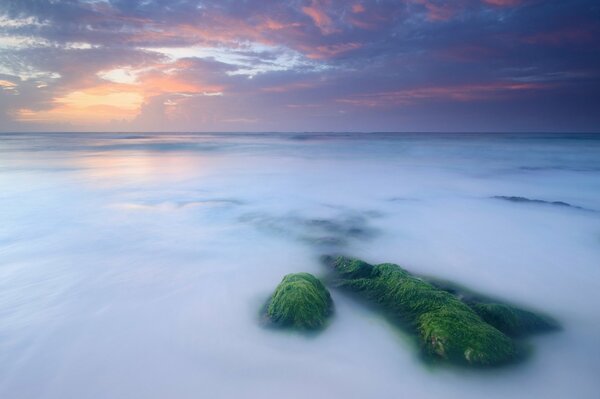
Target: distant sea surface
[135,265]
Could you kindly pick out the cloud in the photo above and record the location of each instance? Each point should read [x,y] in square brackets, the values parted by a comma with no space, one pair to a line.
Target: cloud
[573,35]
[319,17]
[290,65]
[461,93]
[503,3]
[440,10]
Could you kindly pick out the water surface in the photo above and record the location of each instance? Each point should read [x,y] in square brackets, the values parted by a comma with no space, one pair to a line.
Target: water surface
[134,265]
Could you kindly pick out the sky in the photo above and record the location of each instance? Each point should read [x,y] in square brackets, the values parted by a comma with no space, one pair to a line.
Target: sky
[300,65]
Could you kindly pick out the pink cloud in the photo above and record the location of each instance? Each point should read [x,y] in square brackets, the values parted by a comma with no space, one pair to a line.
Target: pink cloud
[460,93]
[466,52]
[271,24]
[290,87]
[440,11]
[503,3]
[358,8]
[329,51]
[562,36]
[320,18]
[372,18]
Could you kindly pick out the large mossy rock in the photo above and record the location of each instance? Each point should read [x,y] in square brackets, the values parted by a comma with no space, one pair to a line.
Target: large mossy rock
[300,301]
[447,327]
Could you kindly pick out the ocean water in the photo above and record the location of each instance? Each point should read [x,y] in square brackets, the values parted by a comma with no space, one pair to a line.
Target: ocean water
[135,265]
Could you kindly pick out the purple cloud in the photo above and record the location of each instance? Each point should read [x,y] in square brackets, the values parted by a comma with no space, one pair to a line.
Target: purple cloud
[299,65]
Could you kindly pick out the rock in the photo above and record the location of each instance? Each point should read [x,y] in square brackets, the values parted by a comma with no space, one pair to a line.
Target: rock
[525,200]
[301,302]
[513,321]
[447,327]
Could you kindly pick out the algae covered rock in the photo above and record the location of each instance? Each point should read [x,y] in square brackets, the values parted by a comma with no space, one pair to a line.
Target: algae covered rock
[447,327]
[510,319]
[300,301]
[513,321]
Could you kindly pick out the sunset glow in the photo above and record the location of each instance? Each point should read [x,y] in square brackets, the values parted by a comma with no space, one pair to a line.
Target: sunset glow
[271,65]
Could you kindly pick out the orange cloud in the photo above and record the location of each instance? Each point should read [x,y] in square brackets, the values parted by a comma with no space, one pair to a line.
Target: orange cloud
[6,84]
[98,96]
[155,84]
[91,105]
[98,102]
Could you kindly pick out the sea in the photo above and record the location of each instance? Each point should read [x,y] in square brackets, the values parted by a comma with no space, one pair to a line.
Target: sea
[137,265]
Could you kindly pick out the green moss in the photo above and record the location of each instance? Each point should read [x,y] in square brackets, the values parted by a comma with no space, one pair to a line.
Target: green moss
[513,321]
[447,327]
[300,301]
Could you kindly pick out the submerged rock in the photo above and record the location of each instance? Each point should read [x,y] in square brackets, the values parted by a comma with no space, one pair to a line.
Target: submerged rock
[336,231]
[300,301]
[525,200]
[447,327]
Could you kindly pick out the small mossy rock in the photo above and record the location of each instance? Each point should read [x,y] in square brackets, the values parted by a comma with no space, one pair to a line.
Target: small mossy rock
[513,321]
[447,327]
[300,301]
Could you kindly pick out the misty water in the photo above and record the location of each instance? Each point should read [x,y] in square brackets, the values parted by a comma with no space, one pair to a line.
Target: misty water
[136,265]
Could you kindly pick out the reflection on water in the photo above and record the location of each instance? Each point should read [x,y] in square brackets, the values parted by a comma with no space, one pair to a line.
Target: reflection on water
[134,265]
[113,167]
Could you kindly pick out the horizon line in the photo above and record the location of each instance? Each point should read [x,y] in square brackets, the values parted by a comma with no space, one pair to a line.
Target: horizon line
[296,132]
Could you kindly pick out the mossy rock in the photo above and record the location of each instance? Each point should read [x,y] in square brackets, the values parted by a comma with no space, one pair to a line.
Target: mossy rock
[447,327]
[510,319]
[513,321]
[301,302]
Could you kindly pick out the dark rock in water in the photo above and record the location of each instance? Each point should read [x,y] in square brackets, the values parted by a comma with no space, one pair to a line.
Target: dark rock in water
[337,231]
[402,199]
[513,321]
[447,327]
[536,201]
[326,241]
[300,301]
